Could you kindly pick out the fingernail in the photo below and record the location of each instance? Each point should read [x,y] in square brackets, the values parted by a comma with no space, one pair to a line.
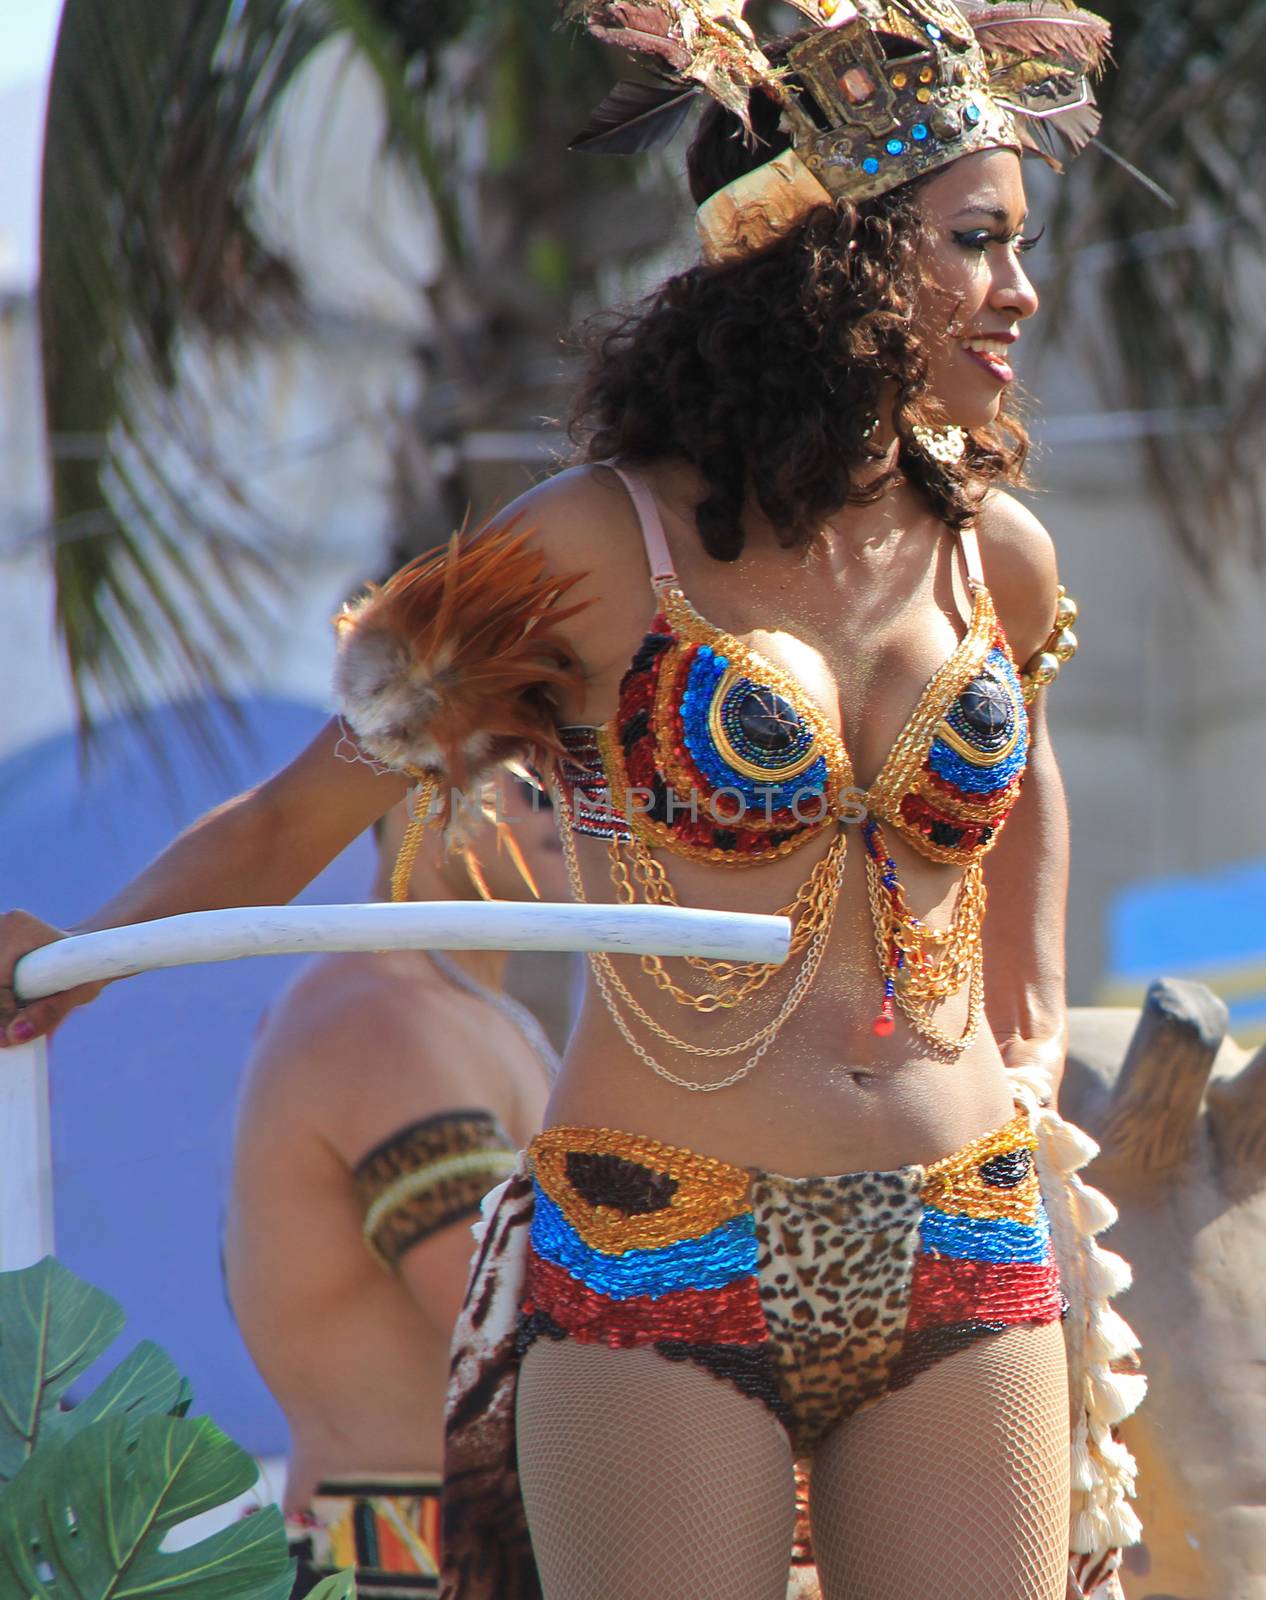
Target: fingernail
[21,1031]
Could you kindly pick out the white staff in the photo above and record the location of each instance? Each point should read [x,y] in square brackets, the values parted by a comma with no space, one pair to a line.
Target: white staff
[26,1186]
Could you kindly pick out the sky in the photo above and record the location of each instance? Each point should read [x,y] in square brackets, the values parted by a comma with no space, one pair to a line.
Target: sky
[27,31]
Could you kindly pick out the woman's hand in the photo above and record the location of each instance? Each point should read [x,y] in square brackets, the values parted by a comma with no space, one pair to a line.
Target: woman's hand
[19,1024]
[1043,1056]
[260,848]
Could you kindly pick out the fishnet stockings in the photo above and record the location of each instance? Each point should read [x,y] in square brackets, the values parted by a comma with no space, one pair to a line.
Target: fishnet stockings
[644,1477]
[955,1488]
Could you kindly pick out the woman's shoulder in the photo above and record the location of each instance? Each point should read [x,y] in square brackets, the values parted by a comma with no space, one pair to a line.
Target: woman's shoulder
[575,516]
[584,525]
[1020,566]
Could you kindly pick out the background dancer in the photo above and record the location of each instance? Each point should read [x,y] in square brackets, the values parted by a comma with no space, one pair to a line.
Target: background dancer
[382,1101]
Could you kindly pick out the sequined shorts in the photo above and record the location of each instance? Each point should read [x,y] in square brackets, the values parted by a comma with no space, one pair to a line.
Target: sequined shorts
[815,1295]
[387,1528]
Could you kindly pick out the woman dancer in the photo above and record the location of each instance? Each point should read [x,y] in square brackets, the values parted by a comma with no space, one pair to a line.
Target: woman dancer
[786,635]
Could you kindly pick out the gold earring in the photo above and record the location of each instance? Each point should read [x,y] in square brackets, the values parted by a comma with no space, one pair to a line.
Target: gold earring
[946,445]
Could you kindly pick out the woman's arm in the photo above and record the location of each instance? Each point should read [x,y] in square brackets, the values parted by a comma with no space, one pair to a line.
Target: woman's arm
[1026,874]
[453,666]
[261,848]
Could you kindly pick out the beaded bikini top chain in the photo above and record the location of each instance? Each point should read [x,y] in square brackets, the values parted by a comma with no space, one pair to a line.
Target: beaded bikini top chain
[703,714]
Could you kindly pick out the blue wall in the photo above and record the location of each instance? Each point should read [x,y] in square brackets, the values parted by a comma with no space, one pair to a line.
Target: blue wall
[1211,927]
[144,1082]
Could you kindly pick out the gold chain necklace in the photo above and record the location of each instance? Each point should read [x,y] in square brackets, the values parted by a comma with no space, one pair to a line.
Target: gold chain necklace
[816,944]
[731,982]
[613,990]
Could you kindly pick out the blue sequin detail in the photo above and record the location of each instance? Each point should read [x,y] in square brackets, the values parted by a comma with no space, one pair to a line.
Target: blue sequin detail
[948,764]
[870,165]
[721,1256]
[966,775]
[985,1238]
[972,113]
[894,147]
[706,672]
[774,761]
[933,32]
[919,131]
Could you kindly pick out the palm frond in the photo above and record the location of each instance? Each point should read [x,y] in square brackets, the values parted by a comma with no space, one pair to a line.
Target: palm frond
[154,124]
[1180,290]
[152,254]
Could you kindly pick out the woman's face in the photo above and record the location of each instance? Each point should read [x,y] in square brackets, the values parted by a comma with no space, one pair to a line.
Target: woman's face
[975,292]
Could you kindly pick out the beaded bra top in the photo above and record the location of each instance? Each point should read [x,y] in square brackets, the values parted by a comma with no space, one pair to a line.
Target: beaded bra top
[716,754]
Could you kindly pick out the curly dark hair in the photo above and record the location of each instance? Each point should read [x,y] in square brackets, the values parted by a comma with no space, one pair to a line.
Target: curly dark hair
[766,372]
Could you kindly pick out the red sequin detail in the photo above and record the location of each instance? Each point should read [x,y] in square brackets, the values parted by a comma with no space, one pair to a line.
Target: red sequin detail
[731,1315]
[916,811]
[948,1290]
[639,690]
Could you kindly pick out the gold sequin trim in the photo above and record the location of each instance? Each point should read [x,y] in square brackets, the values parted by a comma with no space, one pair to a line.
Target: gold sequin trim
[959,811]
[910,751]
[709,1192]
[691,628]
[963,808]
[954,1184]
[991,758]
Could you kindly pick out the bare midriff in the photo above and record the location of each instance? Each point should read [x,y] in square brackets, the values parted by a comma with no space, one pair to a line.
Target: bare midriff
[830,1096]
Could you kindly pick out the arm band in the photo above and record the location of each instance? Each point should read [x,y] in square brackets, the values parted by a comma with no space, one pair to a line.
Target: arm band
[427,1176]
[1061,645]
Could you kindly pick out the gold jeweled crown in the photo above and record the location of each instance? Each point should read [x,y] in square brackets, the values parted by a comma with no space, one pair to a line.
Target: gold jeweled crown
[879,93]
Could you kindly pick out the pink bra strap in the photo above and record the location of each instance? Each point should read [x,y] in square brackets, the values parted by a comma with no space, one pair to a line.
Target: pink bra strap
[661,563]
[971,553]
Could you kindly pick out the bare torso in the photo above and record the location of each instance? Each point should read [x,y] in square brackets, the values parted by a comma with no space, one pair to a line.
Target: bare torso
[356,1356]
[862,626]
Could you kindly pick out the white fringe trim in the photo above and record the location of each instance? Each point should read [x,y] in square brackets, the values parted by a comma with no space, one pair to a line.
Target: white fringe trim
[1103,1471]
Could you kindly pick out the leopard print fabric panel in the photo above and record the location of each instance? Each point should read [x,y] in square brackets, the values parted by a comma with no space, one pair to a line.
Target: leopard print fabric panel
[835,1269]
[427,1176]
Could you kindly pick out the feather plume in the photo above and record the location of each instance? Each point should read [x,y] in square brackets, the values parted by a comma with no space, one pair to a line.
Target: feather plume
[636,117]
[1069,37]
[453,665]
[1040,55]
[705,42]
[656,48]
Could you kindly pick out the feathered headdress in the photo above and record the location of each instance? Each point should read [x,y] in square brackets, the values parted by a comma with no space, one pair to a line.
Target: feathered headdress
[878,93]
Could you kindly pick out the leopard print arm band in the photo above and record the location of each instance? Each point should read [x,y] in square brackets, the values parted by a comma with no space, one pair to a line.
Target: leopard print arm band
[427,1176]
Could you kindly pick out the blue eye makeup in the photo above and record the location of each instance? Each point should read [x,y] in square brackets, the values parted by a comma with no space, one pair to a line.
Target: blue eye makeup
[980,239]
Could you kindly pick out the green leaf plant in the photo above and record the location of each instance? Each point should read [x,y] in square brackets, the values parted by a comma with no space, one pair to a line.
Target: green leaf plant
[339,1586]
[88,1494]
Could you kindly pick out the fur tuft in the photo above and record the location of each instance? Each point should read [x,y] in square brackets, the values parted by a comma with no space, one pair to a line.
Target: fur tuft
[453,666]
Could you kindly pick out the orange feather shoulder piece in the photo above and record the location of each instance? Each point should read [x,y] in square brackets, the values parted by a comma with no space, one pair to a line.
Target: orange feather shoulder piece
[454,665]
